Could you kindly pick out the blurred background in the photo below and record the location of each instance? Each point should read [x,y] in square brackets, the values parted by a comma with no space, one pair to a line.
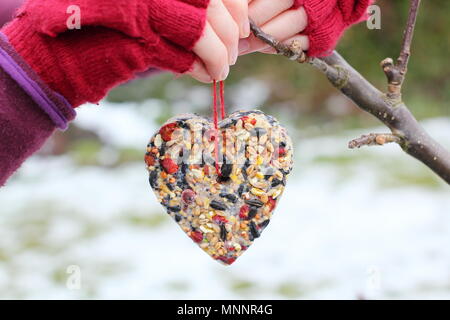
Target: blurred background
[352,224]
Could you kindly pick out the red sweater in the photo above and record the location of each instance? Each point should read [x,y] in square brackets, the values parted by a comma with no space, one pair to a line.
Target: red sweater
[45,68]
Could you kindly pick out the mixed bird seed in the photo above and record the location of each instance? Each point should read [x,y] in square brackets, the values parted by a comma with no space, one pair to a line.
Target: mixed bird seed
[225,211]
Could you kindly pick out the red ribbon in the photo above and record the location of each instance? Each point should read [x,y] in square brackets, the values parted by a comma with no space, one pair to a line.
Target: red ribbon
[216,119]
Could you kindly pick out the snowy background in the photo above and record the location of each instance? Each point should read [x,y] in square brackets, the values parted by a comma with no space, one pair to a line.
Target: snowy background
[352,224]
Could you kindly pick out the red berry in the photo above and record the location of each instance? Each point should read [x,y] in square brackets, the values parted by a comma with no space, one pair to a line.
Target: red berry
[149,159]
[206,169]
[248,119]
[211,134]
[272,203]
[197,236]
[219,219]
[188,196]
[169,165]
[167,130]
[221,258]
[281,152]
[226,260]
[243,212]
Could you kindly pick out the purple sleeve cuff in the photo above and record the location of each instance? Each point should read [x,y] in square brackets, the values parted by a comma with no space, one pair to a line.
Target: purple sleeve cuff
[53,104]
[29,111]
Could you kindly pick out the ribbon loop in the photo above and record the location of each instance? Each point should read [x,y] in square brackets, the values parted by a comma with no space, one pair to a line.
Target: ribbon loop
[216,119]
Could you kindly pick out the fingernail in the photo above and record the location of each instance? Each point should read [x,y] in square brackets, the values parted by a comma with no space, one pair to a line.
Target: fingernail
[234,57]
[244,46]
[225,73]
[245,29]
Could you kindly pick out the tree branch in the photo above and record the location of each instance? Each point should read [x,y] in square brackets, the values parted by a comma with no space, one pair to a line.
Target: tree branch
[388,108]
[373,139]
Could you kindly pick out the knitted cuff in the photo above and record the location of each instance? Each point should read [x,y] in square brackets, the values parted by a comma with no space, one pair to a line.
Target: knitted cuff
[53,104]
[317,10]
[37,51]
[354,11]
[83,65]
[327,21]
[324,38]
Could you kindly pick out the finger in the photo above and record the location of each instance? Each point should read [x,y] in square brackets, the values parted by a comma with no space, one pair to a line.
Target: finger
[262,11]
[239,11]
[213,53]
[199,72]
[301,39]
[284,26]
[225,27]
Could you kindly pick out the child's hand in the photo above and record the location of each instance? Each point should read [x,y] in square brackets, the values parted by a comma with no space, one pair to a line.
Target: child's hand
[278,19]
[218,48]
[115,40]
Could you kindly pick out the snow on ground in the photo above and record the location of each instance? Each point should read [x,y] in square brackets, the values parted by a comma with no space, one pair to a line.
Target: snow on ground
[371,223]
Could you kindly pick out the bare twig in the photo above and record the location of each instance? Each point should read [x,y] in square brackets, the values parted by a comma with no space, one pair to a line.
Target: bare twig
[405,53]
[396,73]
[388,108]
[374,139]
[293,52]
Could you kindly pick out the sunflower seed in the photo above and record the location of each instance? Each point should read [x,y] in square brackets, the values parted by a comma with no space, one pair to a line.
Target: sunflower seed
[231,197]
[254,203]
[217,205]
[223,232]
[253,230]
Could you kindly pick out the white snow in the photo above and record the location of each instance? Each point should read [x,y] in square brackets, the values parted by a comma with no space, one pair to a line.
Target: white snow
[340,232]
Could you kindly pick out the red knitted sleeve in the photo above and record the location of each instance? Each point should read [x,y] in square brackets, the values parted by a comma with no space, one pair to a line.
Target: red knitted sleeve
[327,21]
[117,40]
[174,19]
